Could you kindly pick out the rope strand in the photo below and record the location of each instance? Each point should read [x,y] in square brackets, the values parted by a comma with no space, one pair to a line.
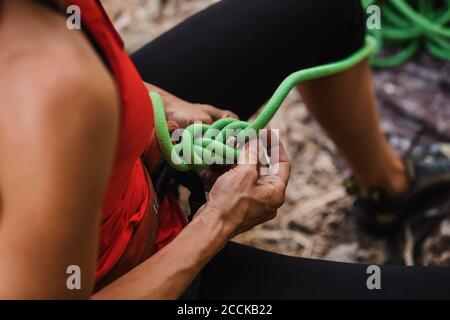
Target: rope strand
[406,25]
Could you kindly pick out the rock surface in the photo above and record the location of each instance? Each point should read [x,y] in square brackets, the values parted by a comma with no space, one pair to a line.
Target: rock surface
[317,219]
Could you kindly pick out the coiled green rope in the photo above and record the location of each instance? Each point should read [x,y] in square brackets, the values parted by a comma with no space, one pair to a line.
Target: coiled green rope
[405,24]
[194,153]
[409,25]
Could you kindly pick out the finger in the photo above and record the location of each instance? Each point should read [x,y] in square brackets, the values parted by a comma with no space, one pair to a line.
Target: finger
[281,167]
[265,142]
[279,160]
[272,187]
[248,159]
[229,114]
[270,139]
[203,119]
[217,114]
[249,154]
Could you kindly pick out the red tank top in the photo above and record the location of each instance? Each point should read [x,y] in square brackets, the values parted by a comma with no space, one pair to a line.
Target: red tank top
[130,192]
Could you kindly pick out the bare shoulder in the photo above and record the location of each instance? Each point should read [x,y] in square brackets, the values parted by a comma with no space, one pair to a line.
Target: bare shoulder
[49,70]
[59,104]
[58,130]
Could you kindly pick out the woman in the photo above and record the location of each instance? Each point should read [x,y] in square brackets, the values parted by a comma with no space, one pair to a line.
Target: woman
[78,150]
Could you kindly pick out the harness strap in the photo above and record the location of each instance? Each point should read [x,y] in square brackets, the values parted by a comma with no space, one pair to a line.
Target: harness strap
[164,173]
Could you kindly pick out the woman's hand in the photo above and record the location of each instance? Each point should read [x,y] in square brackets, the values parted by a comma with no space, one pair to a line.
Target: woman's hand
[242,198]
[185,113]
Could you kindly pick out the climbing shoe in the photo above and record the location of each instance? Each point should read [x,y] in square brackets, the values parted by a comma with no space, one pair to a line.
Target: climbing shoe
[428,172]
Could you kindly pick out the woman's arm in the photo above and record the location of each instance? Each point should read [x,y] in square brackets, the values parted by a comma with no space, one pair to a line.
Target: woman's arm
[53,222]
[239,200]
[168,273]
[58,126]
[59,120]
[58,130]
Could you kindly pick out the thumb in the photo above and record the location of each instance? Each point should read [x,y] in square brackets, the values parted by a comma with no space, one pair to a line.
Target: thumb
[249,154]
[247,168]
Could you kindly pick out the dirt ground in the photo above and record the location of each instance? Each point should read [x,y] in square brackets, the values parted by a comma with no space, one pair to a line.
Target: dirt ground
[317,220]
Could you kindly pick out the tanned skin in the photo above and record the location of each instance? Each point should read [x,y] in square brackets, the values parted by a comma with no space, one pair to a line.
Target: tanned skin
[59,122]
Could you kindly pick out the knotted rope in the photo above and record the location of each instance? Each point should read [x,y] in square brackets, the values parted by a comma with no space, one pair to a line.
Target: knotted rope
[405,24]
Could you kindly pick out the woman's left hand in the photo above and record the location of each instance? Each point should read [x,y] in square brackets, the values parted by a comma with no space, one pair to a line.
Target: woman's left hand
[186,113]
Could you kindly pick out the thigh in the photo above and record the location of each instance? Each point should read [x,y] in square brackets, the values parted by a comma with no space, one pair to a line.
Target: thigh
[241,272]
[235,53]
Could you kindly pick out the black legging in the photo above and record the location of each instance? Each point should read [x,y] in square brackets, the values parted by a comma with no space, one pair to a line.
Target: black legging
[233,55]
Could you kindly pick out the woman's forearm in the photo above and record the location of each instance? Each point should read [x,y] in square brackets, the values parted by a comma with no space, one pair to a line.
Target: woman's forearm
[168,273]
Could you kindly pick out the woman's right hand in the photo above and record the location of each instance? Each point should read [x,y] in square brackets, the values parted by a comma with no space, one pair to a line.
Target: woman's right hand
[242,198]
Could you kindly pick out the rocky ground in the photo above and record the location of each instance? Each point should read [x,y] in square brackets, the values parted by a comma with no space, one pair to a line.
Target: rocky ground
[317,220]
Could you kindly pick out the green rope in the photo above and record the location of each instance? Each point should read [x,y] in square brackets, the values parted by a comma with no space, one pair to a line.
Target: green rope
[405,24]
[409,26]
[194,153]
